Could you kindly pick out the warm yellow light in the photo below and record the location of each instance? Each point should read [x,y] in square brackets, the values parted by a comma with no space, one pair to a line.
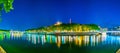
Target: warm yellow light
[58,23]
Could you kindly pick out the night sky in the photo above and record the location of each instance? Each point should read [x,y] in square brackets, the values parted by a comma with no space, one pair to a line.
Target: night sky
[35,13]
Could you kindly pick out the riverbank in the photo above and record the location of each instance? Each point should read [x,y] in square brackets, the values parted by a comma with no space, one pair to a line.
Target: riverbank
[67,33]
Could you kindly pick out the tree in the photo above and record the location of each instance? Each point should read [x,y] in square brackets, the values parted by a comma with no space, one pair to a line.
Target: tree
[6,5]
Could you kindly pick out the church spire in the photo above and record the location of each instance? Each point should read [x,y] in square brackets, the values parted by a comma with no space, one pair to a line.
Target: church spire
[70,21]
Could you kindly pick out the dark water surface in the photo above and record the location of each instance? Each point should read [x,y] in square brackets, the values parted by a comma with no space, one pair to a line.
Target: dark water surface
[36,43]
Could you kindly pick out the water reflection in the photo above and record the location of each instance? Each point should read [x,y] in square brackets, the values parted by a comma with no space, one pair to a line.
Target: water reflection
[84,40]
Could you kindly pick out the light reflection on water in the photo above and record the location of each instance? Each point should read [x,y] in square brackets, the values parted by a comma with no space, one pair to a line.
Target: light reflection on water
[84,40]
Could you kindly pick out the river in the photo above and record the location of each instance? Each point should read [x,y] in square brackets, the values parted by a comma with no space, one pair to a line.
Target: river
[37,43]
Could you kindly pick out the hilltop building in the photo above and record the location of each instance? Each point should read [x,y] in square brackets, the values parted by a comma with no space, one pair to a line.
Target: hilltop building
[58,23]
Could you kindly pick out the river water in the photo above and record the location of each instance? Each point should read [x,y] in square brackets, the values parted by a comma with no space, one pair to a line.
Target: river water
[37,43]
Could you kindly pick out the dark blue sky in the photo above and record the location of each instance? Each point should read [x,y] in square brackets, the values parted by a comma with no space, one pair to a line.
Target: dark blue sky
[35,13]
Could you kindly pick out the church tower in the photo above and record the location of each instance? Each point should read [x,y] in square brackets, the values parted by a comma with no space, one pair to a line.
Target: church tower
[70,21]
